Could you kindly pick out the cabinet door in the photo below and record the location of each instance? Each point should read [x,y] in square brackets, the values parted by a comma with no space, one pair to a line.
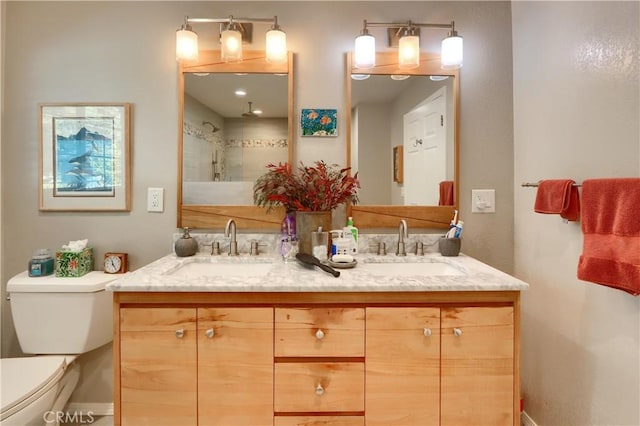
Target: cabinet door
[158,366]
[402,366]
[235,366]
[477,366]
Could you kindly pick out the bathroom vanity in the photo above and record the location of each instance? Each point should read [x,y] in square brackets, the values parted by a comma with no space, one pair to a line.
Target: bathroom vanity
[416,340]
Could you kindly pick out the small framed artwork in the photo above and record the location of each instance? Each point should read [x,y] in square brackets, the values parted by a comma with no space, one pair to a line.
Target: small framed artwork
[85,157]
[319,122]
[397,164]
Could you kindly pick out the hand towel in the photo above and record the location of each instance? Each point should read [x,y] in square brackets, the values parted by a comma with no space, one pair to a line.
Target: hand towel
[558,196]
[611,228]
[446,193]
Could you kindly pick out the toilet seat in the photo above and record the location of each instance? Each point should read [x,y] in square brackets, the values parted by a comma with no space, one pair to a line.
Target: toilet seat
[24,380]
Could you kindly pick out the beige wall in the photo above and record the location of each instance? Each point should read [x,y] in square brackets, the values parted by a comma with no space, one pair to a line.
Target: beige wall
[576,115]
[124,52]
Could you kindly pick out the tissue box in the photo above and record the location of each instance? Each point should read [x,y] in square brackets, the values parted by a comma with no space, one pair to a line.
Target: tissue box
[74,264]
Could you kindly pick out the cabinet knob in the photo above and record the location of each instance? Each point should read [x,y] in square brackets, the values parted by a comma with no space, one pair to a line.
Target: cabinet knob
[457,332]
[319,334]
[180,333]
[319,390]
[426,332]
[209,333]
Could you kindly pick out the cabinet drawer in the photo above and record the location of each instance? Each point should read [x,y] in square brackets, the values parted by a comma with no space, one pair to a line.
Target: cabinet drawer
[319,387]
[319,421]
[319,332]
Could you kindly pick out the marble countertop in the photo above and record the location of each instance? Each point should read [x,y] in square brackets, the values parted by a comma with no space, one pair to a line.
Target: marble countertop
[278,276]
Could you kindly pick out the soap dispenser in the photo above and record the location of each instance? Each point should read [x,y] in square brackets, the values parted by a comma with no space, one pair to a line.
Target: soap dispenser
[186,246]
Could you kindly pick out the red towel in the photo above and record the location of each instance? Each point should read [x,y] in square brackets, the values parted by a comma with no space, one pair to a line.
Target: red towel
[558,196]
[446,193]
[611,228]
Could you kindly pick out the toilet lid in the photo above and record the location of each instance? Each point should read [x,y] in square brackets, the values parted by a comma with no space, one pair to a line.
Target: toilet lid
[23,377]
[89,283]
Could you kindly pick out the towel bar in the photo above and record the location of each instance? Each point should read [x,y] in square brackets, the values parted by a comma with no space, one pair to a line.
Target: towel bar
[535,185]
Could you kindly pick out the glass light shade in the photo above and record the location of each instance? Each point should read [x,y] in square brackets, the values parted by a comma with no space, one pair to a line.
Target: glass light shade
[365,51]
[409,52]
[276,46]
[231,45]
[451,56]
[186,45]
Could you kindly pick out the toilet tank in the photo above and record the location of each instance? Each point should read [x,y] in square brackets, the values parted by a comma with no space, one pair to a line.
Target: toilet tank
[54,315]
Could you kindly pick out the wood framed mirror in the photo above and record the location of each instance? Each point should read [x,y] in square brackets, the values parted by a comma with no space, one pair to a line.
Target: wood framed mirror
[225,140]
[402,139]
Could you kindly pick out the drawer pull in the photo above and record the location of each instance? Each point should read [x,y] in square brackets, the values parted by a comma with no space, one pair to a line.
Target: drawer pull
[209,333]
[319,390]
[426,332]
[319,334]
[180,333]
[457,332]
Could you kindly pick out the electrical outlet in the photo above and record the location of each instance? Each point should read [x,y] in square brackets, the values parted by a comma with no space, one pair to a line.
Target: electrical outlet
[155,199]
[483,201]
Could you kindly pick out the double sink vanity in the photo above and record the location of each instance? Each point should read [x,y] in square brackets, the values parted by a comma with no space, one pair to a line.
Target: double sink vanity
[252,340]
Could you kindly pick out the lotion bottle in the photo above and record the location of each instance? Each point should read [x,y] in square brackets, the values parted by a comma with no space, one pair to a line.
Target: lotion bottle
[351,231]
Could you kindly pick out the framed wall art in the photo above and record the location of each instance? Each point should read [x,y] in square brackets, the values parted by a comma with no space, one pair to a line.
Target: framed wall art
[397,164]
[85,157]
[319,122]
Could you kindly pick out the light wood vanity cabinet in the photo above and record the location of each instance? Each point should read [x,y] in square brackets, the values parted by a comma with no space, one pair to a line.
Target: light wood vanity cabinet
[197,366]
[322,359]
[158,361]
[440,366]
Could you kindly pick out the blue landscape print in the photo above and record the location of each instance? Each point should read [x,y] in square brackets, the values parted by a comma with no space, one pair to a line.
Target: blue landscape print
[84,157]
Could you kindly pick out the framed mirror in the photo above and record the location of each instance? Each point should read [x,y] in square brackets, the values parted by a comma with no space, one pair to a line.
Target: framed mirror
[234,119]
[402,139]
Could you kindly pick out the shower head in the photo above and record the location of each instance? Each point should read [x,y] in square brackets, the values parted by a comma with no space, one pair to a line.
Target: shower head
[214,128]
[250,113]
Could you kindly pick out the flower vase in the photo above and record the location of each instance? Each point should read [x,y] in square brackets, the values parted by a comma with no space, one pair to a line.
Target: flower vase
[308,222]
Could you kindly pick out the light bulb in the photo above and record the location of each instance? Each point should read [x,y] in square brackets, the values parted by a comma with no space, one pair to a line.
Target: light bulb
[409,52]
[276,45]
[365,51]
[186,44]
[452,52]
[231,44]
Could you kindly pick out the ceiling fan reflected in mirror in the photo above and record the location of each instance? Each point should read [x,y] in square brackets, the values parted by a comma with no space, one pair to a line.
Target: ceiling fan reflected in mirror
[252,113]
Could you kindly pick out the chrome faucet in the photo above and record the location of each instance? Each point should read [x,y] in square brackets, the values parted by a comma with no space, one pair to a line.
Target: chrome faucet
[403,232]
[233,244]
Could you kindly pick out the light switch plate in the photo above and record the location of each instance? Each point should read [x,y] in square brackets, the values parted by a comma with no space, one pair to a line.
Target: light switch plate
[483,201]
[155,200]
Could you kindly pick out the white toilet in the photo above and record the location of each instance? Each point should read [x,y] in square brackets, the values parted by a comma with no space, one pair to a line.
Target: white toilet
[56,319]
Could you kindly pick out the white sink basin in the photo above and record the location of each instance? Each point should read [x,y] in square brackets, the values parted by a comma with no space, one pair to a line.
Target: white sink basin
[212,269]
[411,269]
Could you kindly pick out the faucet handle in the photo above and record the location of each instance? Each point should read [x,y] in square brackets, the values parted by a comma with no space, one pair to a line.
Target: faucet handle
[382,248]
[215,248]
[254,251]
[419,248]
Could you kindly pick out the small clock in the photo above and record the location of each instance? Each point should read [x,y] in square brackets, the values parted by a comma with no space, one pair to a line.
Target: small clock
[115,263]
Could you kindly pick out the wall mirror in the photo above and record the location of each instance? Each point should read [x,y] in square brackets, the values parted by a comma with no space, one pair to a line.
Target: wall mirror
[234,119]
[402,139]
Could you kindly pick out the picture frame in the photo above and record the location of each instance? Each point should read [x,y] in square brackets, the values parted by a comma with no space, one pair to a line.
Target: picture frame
[84,157]
[398,170]
[319,122]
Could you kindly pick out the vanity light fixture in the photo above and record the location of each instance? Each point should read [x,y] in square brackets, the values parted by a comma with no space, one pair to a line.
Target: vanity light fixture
[408,45]
[231,30]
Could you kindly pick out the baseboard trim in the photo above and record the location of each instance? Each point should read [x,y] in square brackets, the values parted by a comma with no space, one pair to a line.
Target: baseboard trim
[96,408]
[525,420]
